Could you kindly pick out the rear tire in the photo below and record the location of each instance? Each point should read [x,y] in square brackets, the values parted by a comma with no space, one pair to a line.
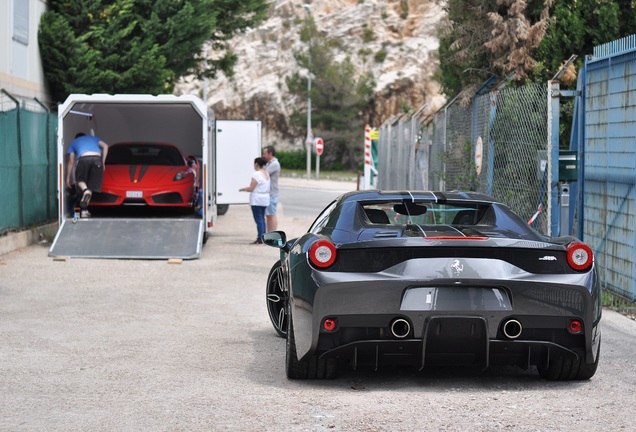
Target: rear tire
[561,369]
[294,368]
[276,297]
[221,209]
[311,368]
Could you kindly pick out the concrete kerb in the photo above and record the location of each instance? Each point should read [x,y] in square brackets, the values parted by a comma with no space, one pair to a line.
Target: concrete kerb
[299,182]
[17,240]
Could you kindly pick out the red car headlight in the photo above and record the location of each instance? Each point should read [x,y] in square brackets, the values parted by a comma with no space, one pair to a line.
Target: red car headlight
[181,175]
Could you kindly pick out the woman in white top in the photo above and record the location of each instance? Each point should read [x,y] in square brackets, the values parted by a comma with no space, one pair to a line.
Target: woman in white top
[259,196]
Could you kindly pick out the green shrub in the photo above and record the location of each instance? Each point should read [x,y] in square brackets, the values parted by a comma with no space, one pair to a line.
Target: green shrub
[368,35]
[294,159]
[380,56]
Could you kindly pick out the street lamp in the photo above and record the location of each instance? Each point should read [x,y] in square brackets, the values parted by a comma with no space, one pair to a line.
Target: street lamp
[310,137]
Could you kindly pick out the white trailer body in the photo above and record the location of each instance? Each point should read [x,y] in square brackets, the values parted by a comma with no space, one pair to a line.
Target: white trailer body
[183,120]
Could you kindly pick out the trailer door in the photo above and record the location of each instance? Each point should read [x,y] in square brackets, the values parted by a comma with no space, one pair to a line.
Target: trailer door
[238,143]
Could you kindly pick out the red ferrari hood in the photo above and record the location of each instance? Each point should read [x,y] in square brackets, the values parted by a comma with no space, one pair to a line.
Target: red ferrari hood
[140,174]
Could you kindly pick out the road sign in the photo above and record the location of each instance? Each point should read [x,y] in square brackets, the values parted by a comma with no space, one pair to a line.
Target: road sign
[320,146]
[479,153]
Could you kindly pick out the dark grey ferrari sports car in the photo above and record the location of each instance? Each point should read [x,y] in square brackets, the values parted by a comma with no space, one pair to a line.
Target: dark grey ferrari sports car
[433,278]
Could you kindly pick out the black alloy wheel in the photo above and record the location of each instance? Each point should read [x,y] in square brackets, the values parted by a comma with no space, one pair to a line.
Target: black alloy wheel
[277,299]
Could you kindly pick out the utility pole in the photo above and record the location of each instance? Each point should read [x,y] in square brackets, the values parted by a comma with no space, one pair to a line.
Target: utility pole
[310,138]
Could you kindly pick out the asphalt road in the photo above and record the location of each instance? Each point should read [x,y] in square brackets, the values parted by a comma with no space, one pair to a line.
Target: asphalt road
[298,203]
[130,345]
[302,198]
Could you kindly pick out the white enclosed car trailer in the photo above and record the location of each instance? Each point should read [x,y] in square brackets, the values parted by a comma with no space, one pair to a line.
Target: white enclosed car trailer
[226,165]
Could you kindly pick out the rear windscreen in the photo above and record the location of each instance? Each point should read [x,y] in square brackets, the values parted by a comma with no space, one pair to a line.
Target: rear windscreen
[401,213]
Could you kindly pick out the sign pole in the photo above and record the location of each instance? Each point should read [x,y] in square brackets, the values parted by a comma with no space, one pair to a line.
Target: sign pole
[371,137]
[317,167]
[367,158]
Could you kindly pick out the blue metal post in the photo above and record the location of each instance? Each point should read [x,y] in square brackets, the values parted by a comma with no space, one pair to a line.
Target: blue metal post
[491,141]
[553,157]
[475,132]
[581,153]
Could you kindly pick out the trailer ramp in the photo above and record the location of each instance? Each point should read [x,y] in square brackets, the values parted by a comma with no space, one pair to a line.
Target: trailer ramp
[129,238]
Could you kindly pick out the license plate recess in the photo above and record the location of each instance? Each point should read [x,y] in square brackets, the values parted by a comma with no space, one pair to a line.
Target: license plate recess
[456,299]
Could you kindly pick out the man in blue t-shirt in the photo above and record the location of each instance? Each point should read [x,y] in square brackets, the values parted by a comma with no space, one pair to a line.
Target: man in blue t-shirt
[90,153]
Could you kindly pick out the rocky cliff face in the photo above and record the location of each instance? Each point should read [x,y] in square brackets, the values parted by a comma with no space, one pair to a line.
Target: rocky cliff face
[404,29]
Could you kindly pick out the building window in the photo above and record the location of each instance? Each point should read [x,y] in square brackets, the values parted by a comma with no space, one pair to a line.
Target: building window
[21,21]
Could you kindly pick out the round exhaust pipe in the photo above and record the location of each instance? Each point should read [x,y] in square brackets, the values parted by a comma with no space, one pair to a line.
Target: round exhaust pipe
[400,328]
[512,329]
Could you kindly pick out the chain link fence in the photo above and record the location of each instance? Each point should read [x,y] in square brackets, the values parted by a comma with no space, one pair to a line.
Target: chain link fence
[496,145]
[27,163]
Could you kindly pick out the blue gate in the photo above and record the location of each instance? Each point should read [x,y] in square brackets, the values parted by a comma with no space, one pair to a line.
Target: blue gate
[608,164]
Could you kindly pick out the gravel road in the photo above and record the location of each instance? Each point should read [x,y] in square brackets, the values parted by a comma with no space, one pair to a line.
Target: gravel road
[129,345]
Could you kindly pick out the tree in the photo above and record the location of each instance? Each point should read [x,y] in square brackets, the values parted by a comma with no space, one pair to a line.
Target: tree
[339,97]
[137,46]
[577,27]
[482,38]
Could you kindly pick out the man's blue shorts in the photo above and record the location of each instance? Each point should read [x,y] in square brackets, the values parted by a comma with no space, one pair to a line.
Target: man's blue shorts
[271,209]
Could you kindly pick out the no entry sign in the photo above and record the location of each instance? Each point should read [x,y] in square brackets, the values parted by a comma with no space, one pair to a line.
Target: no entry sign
[320,146]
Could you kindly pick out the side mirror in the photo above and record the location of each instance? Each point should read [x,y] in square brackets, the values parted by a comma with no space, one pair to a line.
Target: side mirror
[192,161]
[276,239]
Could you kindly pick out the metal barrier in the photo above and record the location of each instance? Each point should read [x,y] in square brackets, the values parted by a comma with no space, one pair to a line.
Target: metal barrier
[607,179]
[498,145]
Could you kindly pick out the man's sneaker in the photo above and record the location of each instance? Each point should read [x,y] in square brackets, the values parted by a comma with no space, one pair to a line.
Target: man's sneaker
[86,198]
[85,214]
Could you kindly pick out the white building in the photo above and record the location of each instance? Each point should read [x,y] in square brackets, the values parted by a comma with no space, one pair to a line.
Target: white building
[21,73]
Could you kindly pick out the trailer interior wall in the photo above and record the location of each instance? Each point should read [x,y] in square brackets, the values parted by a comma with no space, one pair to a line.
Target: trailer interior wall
[175,123]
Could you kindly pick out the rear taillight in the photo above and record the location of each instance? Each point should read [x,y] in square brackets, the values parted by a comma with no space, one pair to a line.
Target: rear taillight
[575,326]
[322,253]
[579,256]
[329,324]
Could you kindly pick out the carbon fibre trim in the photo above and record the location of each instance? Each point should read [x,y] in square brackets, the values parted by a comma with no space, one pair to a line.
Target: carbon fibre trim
[369,260]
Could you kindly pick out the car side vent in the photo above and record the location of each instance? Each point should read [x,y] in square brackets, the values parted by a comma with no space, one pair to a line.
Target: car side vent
[385,234]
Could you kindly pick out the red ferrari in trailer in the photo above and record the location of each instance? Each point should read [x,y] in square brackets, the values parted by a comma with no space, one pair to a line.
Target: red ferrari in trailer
[148,174]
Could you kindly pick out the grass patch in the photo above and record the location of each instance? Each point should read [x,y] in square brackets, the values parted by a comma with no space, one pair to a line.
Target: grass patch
[326,175]
[619,304]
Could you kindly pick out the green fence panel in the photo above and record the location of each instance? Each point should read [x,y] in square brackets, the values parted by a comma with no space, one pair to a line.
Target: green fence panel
[52,154]
[9,171]
[35,166]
